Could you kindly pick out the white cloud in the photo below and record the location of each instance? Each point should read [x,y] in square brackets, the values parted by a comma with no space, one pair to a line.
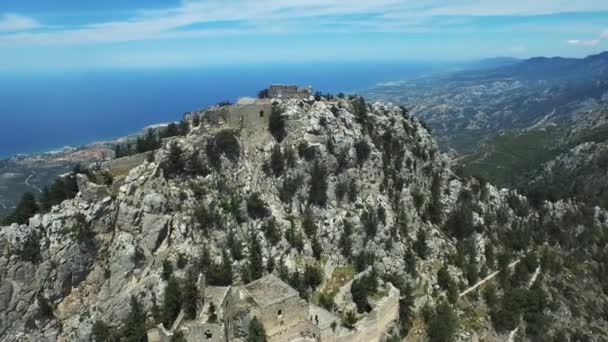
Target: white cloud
[286,16]
[591,42]
[15,22]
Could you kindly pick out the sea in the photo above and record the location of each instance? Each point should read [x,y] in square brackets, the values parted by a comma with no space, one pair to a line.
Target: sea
[45,111]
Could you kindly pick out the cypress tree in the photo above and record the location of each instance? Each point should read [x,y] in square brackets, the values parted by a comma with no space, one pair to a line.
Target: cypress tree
[256,264]
[191,296]
[172,303]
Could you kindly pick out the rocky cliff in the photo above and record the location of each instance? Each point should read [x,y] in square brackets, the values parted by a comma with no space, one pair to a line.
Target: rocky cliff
[360,184]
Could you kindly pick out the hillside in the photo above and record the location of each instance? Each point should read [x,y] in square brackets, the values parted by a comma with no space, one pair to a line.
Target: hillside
[346,203]
[465,108]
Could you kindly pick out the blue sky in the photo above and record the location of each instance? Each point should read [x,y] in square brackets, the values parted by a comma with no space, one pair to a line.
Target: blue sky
[65,34]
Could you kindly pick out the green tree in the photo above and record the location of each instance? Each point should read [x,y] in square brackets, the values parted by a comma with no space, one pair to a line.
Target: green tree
[276,123]
[363,151]
[256,331]
[443,324]
[191,296]
[345,242]
[318,185]
[221,274]
[167,271]
[172,303]
[26,208]
[234,245]
[256,207]
[212,312]
[134,326]
[313,276]
[256,263]
[420,246]
[174,164]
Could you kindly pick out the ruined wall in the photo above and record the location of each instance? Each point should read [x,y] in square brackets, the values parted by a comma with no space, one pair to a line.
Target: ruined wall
[278,318]
[122,166]
[248,116]
[284,91]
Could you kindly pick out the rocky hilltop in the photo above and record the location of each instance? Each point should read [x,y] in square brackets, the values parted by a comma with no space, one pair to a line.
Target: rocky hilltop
[344,202]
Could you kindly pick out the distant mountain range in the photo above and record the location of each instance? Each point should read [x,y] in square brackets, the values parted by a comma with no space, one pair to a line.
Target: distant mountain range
[466,107]
[540,125]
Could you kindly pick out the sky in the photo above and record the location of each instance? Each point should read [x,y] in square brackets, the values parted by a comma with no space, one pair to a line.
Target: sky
[40,35]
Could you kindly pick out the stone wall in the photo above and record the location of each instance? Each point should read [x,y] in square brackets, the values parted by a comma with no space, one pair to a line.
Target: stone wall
[122,166]
[278,318]
[284,91]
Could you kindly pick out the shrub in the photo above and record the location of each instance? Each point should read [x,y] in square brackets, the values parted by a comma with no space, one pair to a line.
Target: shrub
[363,151]
[361,289]
[308,224]
[271,232]
[30,251]
[256,207]
[174,164]
[289,188]
[313,276]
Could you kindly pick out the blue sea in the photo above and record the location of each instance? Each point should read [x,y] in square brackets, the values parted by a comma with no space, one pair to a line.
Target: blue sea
[42,111]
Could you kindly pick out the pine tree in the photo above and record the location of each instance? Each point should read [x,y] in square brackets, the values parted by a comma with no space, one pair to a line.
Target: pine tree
[345,243]
[318,185]
[256,264]
[420,246]
[235,245]
[443,324]
[191,296]
[172,302]
[174,165]
[167,271]
[134,328]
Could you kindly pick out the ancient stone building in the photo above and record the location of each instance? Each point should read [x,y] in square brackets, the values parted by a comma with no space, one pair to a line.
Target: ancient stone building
[285,316]
[286,92]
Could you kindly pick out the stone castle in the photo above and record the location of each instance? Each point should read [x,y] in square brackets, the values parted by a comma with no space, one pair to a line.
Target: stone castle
[284,315]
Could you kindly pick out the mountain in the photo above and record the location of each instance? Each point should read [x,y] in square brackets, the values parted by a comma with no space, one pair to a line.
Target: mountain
[464,108]
[559,161]
[348,205]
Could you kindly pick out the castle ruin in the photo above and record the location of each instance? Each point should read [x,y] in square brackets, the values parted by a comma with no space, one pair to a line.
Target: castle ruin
[284,315]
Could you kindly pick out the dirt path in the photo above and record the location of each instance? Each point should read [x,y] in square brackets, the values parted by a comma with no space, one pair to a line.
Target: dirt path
[27,183]
[485,280]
